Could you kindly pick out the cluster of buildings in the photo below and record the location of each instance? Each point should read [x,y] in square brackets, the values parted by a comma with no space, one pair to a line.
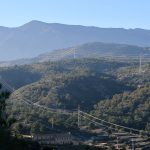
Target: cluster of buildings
[54,139]
[47,139]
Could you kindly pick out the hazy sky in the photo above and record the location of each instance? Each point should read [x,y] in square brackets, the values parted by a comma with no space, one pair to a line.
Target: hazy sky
[102,13]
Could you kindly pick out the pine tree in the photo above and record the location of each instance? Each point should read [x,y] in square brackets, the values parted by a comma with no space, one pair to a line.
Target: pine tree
[3,116]
[8,142]
[4,129]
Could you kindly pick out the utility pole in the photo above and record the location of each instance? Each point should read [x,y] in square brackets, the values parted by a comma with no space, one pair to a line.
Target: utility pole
[74,53]
[52,121]
[78,116]
[133,146]
[117,143]
[140,65]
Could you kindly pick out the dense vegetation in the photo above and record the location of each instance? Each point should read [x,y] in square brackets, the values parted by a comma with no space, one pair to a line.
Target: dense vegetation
[63,84]
[129,109]
[19,76]
[71,83]
[84,82]
[8,138]
[132,76]
[71,90]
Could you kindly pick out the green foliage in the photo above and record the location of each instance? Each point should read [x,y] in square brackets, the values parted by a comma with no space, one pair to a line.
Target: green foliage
[7,141]
[19,76]
[64,84]
[131,76]
[69,83]
[129,109]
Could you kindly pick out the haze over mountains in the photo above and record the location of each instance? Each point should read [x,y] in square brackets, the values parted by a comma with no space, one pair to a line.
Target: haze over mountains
[37,37]
[88,50]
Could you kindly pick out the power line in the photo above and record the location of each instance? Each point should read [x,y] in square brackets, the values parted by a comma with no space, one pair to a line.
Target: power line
[140,64]
[131,129]
[79,112]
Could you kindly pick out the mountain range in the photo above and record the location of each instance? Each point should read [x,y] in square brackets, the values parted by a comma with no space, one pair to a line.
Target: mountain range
[35,37]
[88,50]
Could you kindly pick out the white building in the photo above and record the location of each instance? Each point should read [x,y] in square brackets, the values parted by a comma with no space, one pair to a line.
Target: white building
[56,139]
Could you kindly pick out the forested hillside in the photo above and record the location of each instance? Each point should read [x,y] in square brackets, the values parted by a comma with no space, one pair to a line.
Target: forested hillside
[85,82]
[132,75]
[94,50]
[129,108]
[70,83]
[62,84]
[70,90]
[19,76]
[88,50]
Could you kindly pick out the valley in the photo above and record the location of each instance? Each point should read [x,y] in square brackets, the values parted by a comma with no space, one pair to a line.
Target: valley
[74,75]
[74,87]
[109,89]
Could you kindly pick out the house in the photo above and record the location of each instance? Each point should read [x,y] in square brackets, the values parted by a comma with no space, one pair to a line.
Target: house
[54,139]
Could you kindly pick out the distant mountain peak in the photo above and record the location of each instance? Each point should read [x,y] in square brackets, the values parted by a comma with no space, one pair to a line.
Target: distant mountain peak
[36,37]
[34,23]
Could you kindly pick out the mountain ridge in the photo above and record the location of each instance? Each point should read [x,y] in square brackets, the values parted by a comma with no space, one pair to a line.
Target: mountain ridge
[36,37]
[88,50]
[48,23]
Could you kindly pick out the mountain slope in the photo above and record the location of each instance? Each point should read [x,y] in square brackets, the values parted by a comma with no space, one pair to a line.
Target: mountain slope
[88,50]
[17,77]
[70,82]
[63,84]
[71,90]
[38,37]
[130,109]
[94,50]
